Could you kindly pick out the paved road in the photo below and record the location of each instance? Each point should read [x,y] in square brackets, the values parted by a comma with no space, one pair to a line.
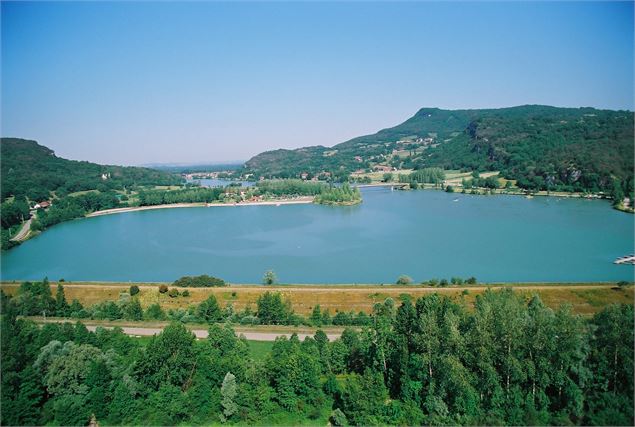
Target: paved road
[201,333]
[26,227]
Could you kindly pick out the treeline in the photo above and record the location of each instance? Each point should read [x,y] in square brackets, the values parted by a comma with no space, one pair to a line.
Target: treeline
[343,194]
[290,187]
[202,281]
[186,195]
[424,176]
[433,361]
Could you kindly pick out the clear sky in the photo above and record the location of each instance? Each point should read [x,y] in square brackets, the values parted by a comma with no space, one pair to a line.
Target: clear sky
[133,83]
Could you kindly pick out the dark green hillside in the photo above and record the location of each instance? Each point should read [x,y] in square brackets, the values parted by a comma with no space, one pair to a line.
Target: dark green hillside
[569,149]
[32,170]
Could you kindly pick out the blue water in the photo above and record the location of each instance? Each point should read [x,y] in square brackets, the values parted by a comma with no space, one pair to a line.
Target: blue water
[424,234]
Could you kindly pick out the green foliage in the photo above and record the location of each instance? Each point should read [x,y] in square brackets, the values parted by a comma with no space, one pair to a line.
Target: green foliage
[202,281]
[290,187]
[155,312]
[345,194]
[187,195]
[134,290]
[424,176]
[209,310]
[272,310]
[62,308]
[505,360]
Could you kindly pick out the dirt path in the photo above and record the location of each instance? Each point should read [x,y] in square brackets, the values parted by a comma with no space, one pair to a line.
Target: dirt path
[24,231]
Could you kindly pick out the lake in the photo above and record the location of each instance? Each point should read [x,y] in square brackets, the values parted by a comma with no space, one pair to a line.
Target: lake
[424,234]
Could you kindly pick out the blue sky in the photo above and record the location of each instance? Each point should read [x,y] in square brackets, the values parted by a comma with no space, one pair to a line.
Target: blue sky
[133,83]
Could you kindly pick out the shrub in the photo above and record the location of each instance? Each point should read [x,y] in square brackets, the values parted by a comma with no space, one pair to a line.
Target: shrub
[134,290]
[173,293]
[472,280]
[186,293]
[250,320]
[163,289]
[404,280]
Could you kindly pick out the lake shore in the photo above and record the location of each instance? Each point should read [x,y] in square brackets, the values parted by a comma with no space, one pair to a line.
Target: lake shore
[298,201]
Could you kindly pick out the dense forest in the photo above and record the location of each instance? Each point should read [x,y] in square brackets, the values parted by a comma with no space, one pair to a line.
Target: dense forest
[541,147]
[34,171]
[434,361]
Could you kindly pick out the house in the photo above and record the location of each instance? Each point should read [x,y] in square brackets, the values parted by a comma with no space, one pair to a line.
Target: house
[358,159]
[42,205]
[382,168]
[304,175]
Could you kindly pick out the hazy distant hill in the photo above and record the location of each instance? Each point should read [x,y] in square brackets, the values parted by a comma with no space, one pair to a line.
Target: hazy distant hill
[540,146]
[32,170]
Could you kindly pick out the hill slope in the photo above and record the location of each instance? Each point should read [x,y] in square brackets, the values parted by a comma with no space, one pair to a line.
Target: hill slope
[540,146]
[32,170]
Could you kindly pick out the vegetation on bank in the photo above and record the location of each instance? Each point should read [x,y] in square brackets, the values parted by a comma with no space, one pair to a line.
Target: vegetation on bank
[510,361]
[343,195]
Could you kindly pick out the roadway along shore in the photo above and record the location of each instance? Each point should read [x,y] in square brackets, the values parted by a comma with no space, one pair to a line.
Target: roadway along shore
[24,231]
[298,201]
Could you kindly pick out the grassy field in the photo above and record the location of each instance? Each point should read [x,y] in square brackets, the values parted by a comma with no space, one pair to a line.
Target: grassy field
[586,299]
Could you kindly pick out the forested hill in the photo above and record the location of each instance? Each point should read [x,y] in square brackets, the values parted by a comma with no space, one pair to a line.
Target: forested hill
[32,170]
[540,146]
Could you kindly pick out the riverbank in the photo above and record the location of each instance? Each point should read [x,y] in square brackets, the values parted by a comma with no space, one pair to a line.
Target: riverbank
[297,201]
[585,298]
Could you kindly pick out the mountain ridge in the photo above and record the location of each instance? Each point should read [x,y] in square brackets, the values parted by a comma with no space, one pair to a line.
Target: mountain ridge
[524,142]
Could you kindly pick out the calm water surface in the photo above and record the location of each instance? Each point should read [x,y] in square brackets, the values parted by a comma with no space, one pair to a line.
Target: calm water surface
[424,234]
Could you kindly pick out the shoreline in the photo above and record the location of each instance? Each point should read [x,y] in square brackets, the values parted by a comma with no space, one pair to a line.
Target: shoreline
[298,201]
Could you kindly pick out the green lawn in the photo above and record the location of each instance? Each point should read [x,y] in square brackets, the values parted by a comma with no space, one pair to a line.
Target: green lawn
[258,349]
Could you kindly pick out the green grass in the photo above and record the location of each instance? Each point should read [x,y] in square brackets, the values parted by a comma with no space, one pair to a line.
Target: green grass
[260,349]
[257,349]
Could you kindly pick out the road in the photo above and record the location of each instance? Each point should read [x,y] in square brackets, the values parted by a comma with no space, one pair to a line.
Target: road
[202,333]
[24,231]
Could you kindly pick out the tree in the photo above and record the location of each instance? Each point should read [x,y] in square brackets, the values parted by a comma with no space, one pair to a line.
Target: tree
[61,306]
[272,310]
[209,311]
[269,278]
[228,394]
[134,290]
[404,280]
[316,316]
[168,359]
[163,289]
[155,312]
[133,310]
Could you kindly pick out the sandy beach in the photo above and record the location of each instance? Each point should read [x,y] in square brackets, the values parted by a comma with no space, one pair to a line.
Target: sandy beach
[298,201]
